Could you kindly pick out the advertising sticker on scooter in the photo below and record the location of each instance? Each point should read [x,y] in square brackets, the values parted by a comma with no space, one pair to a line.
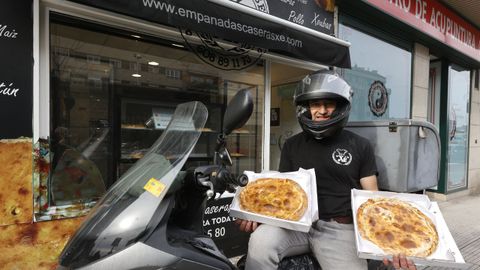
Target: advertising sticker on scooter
[154,186]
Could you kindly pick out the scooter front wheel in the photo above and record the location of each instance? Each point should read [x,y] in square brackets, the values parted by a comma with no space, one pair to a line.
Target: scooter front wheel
[299,262]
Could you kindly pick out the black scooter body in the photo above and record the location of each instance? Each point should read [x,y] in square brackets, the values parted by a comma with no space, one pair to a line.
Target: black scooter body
[167,246]
[133,227]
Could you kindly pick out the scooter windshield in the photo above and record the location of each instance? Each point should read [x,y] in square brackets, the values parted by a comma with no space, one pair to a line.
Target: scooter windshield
[123,215]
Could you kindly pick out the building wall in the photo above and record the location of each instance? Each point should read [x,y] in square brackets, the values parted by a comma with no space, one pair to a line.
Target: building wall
[474,153]
[421,65]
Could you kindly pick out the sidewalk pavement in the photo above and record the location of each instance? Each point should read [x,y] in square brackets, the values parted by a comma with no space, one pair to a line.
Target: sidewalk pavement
[462,216]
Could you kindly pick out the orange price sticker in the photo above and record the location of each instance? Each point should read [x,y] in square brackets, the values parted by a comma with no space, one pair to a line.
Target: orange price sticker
[154,186]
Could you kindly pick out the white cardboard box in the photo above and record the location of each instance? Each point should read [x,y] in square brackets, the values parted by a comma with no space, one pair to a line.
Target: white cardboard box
[447,253]
[305,178]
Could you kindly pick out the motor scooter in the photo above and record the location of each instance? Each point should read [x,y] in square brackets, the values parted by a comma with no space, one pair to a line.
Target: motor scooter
[152,217]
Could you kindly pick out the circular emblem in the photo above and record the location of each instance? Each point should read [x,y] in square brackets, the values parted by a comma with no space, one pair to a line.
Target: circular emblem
[213,54]
[342,157]
[378,98]
[260,5]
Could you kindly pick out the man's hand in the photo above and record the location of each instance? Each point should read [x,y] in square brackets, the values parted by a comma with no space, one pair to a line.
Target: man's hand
[400,262]
[246,225]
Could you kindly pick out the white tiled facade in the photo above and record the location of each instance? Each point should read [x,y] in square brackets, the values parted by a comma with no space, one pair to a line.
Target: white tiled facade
[421,64]
[474,154]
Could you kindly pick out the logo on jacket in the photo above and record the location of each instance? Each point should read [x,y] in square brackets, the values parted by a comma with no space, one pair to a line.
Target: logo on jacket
[342,157]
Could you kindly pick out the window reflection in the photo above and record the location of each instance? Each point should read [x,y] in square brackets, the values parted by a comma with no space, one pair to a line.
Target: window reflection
[99,110]
[458,119]
[74,177]
[380,77]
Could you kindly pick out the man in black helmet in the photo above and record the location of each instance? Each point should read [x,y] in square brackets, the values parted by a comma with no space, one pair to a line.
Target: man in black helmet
[342,160]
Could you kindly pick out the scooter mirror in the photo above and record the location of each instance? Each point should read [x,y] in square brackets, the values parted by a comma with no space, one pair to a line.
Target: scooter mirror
[238,111]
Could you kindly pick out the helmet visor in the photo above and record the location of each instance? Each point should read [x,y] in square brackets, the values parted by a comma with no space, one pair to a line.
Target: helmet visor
[322,85]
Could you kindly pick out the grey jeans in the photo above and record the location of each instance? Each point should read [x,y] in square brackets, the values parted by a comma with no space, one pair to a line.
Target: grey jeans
[332,243]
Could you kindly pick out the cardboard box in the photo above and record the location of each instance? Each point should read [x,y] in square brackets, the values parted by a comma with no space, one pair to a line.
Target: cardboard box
[305,178]
[447,253]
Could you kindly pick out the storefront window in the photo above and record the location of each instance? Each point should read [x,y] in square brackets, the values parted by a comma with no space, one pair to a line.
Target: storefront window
[380,77]
[105,86]
[458,120]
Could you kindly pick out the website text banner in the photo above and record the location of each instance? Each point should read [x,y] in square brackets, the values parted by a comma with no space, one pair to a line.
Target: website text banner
[316,15]
[229,24]
[16,70]
[437,21]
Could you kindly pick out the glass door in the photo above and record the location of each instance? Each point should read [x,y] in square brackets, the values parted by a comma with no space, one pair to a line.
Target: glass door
[458,121]
[283,120]
[434,94]
[434,87]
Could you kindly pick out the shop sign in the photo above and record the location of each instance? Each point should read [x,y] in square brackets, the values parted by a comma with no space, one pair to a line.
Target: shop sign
[16,71]
[220,226]
[437,21]
[316,15]
[217,20]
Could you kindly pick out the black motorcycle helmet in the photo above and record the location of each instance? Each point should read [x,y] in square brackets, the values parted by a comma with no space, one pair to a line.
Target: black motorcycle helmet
[324,84]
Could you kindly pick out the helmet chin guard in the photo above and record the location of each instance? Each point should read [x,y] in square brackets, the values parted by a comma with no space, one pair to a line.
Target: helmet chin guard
[324,84]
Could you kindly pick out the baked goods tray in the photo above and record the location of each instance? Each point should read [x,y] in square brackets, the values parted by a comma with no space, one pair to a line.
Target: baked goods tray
[305,178]
[447,253]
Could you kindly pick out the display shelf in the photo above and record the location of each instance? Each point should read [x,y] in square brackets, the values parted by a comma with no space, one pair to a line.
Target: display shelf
[132,126]
[191,157]
[204,130]
[141,129]
[237,155]
[241,131]
[134,137]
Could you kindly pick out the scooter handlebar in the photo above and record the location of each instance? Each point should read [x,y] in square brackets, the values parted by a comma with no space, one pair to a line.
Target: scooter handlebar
[230,179]
[218,179]
[242,180]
